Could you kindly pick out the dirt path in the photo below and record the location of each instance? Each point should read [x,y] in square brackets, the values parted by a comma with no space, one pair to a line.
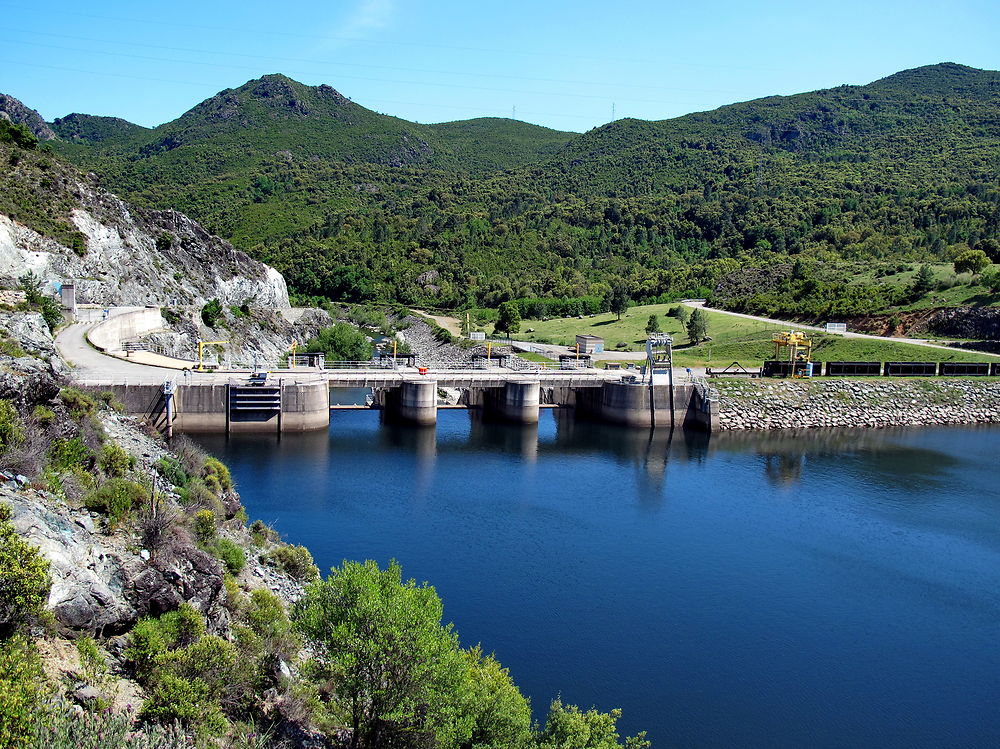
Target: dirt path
[452,324]
[800,326]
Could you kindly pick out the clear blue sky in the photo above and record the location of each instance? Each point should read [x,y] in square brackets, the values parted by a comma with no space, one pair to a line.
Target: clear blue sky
[561,63]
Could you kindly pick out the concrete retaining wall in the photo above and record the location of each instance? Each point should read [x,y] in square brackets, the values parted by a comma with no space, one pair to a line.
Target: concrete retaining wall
[110,334]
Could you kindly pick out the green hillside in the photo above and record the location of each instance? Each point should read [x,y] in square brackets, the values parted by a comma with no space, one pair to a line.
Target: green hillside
[357,205]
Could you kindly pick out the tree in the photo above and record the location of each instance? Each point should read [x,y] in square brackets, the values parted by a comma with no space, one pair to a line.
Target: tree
[569,727]
[619,301]
[697,326]
[509,319]
[924,280]
[211,313]
[653,326]
[399,670]
[991,280]
[681,313]
[971,261]
[341,342]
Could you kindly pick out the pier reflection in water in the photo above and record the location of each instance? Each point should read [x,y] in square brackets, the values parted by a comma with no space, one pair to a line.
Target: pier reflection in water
[822,588]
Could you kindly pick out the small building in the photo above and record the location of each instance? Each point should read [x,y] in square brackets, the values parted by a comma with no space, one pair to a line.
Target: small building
[590,344]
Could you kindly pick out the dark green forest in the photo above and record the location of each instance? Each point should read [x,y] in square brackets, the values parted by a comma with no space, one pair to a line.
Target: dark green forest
[358,206]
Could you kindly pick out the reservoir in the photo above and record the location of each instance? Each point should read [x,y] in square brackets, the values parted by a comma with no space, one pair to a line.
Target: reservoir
[823,588]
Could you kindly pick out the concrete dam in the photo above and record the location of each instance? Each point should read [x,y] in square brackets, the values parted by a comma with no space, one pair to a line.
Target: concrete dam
[302,403]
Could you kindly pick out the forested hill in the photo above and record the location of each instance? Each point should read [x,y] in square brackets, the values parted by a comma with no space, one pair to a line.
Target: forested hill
[353,204]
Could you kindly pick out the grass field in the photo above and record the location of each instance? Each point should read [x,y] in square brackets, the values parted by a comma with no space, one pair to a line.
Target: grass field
[733,339]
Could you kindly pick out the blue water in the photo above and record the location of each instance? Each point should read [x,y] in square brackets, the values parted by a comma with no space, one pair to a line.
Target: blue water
[756,590]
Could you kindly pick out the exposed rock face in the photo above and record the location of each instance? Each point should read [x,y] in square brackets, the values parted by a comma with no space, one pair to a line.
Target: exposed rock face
[140,257]
[100,587]
[13,110]
[982,323]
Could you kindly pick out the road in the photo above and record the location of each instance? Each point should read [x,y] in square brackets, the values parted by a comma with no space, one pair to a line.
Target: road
[90,365]
[800,326]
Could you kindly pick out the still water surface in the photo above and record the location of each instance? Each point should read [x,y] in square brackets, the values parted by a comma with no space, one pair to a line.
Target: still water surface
[769,589]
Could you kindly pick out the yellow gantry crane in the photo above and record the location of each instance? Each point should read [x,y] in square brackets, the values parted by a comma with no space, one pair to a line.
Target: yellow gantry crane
[201,351]
[795,347]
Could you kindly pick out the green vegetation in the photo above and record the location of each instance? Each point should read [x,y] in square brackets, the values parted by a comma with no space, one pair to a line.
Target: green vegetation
[731,339]
[117,498]
[294,561]
[401,678]
[508,319]
[212,313]
[24,581]
[341,342]
[355,206]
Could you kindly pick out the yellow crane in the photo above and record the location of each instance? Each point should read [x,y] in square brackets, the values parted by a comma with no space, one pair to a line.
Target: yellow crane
[793,346]
[201,350]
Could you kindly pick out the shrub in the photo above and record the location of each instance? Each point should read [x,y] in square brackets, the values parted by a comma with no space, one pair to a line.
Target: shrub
[230,554]
[211,313]
[204,525]
[109,399]
[261,533]
[216,475]
[24,577]
[63,727]
[158,526]
[11,429]
[294,561]
[196,494]
[172,470]
[43,415]
[65,454]
[117,498]
[23,689]
[191,457]
[114,461]
[171,316]
[189,701]
[79,403]
[11,348]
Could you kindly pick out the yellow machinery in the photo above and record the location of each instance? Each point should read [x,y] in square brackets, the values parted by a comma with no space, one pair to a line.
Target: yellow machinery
[793,346]
[201,349]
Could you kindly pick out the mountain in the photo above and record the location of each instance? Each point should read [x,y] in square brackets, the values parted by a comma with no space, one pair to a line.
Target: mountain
[357,205]
[58,224]
[14,111]
[93,129]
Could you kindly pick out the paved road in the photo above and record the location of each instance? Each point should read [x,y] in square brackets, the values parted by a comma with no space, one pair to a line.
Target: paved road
[800,326]
[90,365]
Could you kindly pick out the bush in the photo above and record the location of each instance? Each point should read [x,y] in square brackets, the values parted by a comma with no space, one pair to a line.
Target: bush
[63,727]
[117,498]
[172,470]
[171,316]
[216,475]
[11,429]
[114,461]
[261,533]
[230,554]
[109,399]
[294,561]
[79,403]
[189,701]
[204,525]
[65,454]
[24,577]
[43,415]
[23,690]
[11,348]
[211,313]
[341,342]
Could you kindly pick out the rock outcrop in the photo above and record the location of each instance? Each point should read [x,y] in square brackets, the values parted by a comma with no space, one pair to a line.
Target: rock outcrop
[13,110]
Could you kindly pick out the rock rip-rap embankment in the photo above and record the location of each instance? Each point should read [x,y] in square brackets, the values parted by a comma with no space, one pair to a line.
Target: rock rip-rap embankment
[789,404]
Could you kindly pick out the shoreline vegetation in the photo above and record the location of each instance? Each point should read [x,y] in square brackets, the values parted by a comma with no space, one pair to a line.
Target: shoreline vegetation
[217,634]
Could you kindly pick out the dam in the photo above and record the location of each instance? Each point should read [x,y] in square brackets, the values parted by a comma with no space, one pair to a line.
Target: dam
[290,403]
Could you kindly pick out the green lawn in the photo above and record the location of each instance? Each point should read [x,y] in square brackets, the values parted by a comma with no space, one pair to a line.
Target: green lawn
[733,339]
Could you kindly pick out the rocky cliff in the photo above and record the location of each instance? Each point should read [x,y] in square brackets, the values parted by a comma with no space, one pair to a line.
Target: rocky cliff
[59,224]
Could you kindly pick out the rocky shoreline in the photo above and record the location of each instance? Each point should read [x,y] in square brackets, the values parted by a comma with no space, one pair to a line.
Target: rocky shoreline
[794,404]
